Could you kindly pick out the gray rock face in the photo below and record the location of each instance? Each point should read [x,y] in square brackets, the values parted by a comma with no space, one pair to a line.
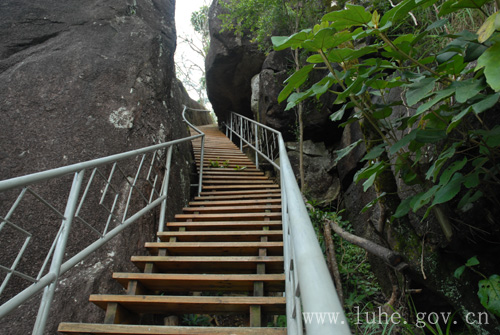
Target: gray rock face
[321,180]
[194,113]
[230,65]
[81,80]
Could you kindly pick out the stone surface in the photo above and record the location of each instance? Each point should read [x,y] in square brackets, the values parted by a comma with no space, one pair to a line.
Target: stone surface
[349,165]
[230,65]
[81,80]
[321,180]
[196,113]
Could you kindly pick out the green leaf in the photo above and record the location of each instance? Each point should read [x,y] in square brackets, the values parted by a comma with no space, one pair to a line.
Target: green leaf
[474,51]
[402,9]
[451,6]
[337,116]
[449,191]
[487,29]
[489,294]
[373,202]
[468,198]
[457,119]
[294,81]
[438,164]
[437,24]
[294,41]
[402,142]
[345,151]
[430,135]
[403,208]
[439,96]
[419,90]
[490,60]
[382,113]
[459,271]
[423,198]
[352,16]
[323,39]
[472,261]
[295,98]
[369,173]
[454,167]
[486,103]
[467,89]
[375,152]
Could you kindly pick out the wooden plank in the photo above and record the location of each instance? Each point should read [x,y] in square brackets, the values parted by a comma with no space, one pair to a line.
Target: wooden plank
[210,264]
[240,192]
[237,197]
[233,177]
[189,304]
[229,217]
[221,236]
[89,328]
[244,173]
[235,202]
[230,181]
[240,187]
[203,282]
[215,248]
[233,209]
[225,225]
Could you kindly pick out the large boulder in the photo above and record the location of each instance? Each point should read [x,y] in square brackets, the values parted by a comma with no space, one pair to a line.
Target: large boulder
[81,80]
[230,65]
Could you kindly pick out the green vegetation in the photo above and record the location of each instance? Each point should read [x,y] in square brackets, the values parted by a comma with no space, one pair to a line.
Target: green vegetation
[443,98]
[195,320]
[440,136]
[217,164]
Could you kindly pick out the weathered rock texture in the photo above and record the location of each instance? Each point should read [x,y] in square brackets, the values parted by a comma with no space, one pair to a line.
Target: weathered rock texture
[230,65]
[195,112]
[81,80]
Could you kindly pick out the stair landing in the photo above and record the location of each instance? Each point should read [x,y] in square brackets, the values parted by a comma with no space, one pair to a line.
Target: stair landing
[223,256]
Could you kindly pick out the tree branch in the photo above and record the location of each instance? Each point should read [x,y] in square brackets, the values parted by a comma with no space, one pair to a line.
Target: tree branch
[392,258]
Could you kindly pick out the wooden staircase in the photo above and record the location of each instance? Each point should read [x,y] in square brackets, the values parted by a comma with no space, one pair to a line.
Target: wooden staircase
[222,256]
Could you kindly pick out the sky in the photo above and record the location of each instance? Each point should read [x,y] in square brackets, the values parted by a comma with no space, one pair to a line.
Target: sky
[183,54]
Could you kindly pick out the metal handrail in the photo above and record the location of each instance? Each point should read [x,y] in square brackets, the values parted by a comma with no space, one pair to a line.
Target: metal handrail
[309,289]
[159,158]
[202,153]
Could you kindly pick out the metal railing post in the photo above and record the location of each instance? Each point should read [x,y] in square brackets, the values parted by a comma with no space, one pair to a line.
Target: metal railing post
[202,157]
[231,125]
[257,145]
[241,134]
[164,190]
[55,267]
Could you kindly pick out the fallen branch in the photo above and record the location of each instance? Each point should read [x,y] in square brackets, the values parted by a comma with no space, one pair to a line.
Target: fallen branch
[332,262]
[392,258]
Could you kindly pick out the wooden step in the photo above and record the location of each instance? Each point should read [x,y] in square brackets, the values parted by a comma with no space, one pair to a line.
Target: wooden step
[221,236]
[233,177]
[216,248]
[233,209]
[241,192]
[175,283]
[239,187]
[231,181]
[154,304]
[224,225]
[229,217]
[91,328]
[215,197]
[222,172]
[235,202]
[212,264]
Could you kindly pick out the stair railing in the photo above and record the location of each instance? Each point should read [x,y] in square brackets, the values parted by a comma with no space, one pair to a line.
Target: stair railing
[311,298]
[202,152]
[121,188]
